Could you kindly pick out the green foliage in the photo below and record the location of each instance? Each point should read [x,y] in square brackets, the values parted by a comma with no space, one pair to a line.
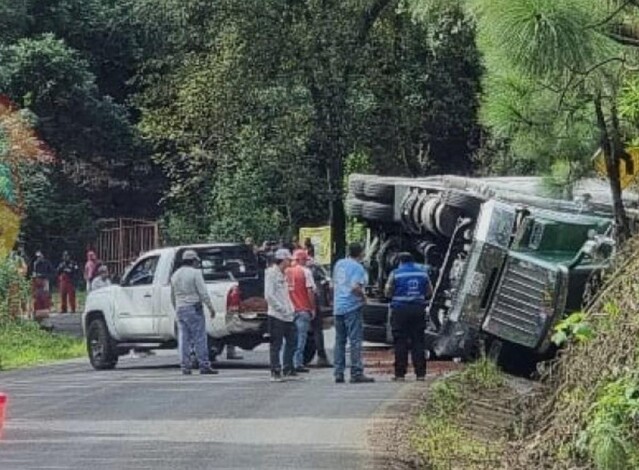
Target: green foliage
[441,437]
[574,327]
[483,374]
[13,287]
[610,437]
[25,343]
[260,96]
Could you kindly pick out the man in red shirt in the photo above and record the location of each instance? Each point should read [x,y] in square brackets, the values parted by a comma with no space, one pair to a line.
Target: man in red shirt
[302,294]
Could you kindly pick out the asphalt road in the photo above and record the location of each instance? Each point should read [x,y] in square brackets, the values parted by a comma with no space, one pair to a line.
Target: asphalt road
[146,415]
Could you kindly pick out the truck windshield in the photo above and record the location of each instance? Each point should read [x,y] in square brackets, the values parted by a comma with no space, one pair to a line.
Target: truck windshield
[227,262]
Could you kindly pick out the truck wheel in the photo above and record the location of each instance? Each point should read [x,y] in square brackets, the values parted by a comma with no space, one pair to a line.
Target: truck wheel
[101,347]
[375,334]
[356,184]
[375,211]
[354,207]
[375,314]
[381,191]
[469,204]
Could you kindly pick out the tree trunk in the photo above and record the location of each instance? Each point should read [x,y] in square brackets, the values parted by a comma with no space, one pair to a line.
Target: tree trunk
[612,149]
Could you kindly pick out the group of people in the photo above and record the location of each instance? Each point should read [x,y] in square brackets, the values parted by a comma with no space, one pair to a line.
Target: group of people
[67,273]
[290,293]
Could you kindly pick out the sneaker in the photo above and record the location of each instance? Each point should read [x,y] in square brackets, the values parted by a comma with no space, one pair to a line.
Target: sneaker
[276,377]
[339,379]
[323,363]
[362,379]
[234,357]
[399,379]
[302,370]
[186,372]
[208,371]
[421,378]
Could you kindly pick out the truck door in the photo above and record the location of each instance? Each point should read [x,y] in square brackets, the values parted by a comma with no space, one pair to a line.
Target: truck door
[135,307]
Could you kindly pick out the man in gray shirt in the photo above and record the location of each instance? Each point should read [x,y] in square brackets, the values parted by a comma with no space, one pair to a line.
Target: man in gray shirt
[281,316]
[188,293]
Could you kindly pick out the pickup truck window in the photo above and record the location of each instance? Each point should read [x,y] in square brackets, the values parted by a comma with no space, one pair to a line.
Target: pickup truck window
[142,273]
[227,262]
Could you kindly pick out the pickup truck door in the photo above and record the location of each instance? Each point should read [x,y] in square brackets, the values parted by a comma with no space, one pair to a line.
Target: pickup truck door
[135,305]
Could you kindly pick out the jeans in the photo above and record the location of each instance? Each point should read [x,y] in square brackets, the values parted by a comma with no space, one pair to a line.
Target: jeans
[192,336]
[303,324]
[408,325]
[349,327]
[282,332]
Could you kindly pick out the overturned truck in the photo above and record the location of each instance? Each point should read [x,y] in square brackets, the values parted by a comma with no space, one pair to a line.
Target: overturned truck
[506,262]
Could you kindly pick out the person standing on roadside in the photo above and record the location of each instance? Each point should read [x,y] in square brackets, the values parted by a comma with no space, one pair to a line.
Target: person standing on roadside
[42,274]
[67,274]
[302,293]
[188,295]
[408,287]
[90,269]
[350,279]
[101,280]
[281,316]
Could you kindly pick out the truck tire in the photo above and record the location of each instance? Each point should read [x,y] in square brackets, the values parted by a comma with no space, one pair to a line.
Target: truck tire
[375,314]
[375,334]
[377,212]
[356,184]
[467,203]
[101,347]
[354,207]
[446,220]
[380,191]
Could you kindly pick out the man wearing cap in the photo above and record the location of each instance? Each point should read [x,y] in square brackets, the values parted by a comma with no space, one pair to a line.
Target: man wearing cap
[302,293]
[281,316]
[349,279]
[188,294]
[408,287]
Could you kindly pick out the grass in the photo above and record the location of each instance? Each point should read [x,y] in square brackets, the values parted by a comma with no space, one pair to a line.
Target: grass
[25,344]
[440,437]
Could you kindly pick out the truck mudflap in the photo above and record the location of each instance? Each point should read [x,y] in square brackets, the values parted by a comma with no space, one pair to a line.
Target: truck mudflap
[454,339]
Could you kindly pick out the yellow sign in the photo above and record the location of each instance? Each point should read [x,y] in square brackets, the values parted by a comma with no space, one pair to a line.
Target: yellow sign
[9,229]
[321,240]
[626,177]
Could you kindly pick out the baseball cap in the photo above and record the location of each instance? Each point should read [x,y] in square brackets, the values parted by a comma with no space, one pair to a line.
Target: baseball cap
[282,254]
[300,256]
[190,255]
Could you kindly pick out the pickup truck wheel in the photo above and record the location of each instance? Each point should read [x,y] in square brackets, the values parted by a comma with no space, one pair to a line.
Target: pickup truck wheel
[101,347]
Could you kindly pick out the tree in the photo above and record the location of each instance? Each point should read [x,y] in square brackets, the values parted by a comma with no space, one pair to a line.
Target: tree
[282,92]
[556,67]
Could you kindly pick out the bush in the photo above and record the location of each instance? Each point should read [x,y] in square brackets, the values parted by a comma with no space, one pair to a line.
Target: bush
[14,288]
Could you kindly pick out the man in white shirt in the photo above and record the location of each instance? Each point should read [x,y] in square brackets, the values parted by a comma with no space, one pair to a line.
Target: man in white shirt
[281,316]
[188,293]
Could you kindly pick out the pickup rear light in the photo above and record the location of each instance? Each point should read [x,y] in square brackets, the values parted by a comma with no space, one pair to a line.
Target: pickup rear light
[233,300]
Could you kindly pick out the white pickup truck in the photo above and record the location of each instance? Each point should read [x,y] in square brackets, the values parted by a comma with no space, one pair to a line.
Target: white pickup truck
[137,312]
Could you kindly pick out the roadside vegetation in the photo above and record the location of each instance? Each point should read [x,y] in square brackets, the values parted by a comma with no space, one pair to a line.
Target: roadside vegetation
[465,420]
[24,343]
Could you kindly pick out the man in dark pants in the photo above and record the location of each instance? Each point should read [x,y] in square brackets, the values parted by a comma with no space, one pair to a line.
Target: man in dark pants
[281,316]
[409,286]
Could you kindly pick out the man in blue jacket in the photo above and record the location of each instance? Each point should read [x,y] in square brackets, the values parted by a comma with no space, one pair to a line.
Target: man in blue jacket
[408,287]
